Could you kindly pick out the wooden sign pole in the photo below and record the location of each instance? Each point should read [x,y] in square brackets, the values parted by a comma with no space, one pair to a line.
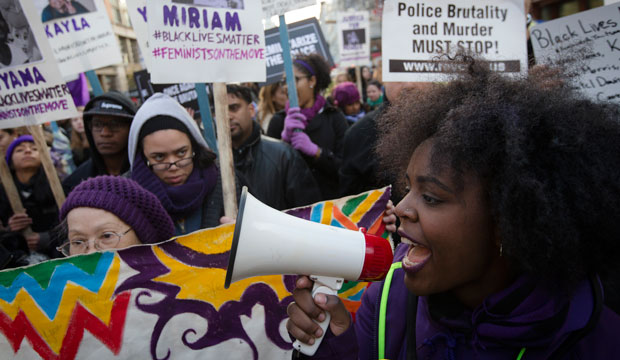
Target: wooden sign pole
[11,191]
[224,145]
[48,166]
[358,77]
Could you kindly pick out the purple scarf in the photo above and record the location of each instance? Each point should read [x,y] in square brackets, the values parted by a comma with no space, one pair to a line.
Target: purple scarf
[179,201]
[311,112]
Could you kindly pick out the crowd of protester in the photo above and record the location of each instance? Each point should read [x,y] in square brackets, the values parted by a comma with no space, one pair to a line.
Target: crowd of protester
[500,184]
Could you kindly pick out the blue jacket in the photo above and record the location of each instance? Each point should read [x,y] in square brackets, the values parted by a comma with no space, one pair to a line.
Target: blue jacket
[524,315]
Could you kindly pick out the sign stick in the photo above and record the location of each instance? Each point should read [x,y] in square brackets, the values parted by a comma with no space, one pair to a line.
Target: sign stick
[11,191]
[288,64]
[94,82]
[48,167]
[358,77]
[224,144]
[205,116]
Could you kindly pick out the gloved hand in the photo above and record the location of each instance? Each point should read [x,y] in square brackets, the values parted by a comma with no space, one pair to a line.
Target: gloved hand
[301,141]
[294,120]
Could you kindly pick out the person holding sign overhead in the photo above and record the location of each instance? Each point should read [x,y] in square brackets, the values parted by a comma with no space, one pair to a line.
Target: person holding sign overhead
[509,226]
[170,158]
[316,129]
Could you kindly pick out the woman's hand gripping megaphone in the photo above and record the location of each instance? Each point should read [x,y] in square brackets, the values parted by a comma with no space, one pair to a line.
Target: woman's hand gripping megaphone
[315,307]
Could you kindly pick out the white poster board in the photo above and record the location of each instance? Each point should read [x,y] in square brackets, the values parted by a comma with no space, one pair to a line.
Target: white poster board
[31,88]
[81,36]
[416,32]
[137,14]
[279,7]
[197,43]
[354,38]
[588,43]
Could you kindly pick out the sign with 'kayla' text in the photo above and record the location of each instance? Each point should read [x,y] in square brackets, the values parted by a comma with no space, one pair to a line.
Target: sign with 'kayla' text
[416,33]
[80,34]
[588,45]
[354,38]
[31,88]
[218,42]
[305,37]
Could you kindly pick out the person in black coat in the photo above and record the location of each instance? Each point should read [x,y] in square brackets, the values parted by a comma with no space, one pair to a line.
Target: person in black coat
[315,128]
[276,172]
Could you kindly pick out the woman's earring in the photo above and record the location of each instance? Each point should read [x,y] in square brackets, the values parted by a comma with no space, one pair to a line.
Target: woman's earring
[311,86]
[501,250]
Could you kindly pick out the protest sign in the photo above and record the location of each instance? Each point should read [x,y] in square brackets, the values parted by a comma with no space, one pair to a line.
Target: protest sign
[32,90]
[588,45]
[204,43]
[184,93]
[279,7]
[137,14]
[165,301]
[305,37]
[354,38]
[415,33]
[80,34]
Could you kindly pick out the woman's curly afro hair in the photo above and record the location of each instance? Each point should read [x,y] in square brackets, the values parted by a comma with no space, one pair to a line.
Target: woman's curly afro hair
[548,159]
[320,68]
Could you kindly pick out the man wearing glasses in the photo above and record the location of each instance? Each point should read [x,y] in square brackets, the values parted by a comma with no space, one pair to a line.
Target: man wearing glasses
[107,119]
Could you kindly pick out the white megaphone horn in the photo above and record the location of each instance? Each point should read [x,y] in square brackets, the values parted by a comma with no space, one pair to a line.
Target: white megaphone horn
[269,242]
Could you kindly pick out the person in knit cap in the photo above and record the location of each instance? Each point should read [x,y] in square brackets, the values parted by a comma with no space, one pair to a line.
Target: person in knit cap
[112,212]
[170,158]
[347,99]
[106,122]
[24,160]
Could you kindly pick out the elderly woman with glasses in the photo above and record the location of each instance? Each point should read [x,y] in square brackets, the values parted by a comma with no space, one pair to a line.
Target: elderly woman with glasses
[170,158]
[112,212]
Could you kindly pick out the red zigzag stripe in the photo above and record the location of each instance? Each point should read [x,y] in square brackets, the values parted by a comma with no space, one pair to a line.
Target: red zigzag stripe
[81,320]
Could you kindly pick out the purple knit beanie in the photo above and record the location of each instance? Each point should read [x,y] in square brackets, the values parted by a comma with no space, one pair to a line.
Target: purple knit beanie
[13,145]
[126,199]
[345,94]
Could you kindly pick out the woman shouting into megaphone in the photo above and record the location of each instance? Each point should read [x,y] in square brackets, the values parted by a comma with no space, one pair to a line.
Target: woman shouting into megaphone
[509,227]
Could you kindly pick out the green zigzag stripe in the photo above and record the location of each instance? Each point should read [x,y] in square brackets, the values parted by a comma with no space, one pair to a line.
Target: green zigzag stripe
[352,204]
[43,272]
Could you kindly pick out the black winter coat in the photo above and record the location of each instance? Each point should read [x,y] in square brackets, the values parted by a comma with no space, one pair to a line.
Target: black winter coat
[326,130]
[276,172]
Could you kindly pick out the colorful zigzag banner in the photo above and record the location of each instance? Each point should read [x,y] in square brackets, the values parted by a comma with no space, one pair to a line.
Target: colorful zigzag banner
[164,301]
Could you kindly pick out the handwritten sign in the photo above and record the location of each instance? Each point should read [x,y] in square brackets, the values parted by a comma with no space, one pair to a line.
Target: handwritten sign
[31,88]
[590,40]
[416,32]
[354,38]
[80,35]
[305,37]
[137,14]
[205,44]
[279,7]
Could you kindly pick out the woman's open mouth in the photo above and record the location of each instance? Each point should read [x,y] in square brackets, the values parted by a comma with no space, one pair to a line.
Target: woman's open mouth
[417,255]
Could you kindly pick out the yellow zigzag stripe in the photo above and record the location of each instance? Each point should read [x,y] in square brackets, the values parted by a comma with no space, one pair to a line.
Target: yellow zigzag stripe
[327,213]
[207,284]
[353,291]
[54,331]
[211,241]
[363,208]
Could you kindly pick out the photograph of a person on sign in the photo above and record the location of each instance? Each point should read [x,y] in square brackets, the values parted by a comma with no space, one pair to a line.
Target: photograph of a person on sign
[354,39]
[226,4]
[17,43]
[56,9]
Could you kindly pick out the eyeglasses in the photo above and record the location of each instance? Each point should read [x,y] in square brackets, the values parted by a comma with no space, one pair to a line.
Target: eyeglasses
[297,78]
[165,166]
[105,240]
[97,125]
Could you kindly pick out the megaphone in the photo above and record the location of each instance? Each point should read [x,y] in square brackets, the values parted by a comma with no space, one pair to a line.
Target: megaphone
[269,242]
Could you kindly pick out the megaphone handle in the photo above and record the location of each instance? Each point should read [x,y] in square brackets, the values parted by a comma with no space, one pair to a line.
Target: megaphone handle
[311,349]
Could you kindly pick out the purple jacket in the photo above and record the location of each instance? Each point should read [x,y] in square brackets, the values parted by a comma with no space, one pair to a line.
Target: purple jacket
[523,315]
